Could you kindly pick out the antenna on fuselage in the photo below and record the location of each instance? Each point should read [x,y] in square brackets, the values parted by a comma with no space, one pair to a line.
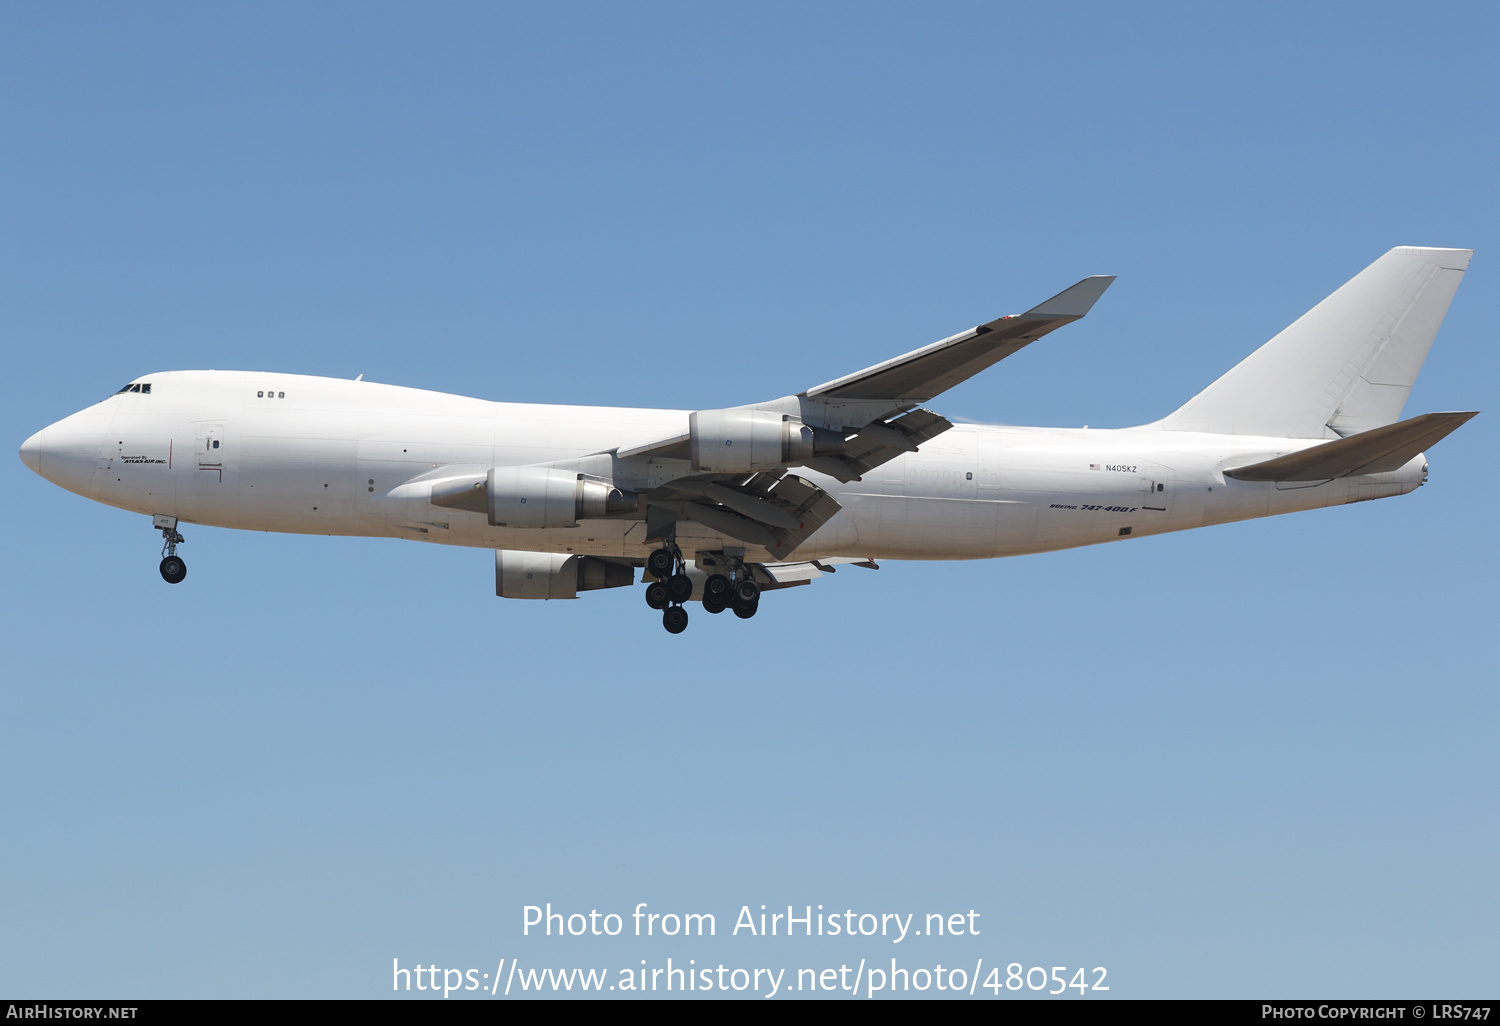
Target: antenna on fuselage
[360,377]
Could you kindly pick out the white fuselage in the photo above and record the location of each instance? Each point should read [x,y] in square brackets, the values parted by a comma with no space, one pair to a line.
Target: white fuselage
[309,455]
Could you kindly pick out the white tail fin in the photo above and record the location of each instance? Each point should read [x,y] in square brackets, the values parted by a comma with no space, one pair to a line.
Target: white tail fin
[1347,365]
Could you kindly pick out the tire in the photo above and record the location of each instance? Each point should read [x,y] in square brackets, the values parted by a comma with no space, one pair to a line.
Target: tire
[717,585]
[660,564]
[675,619]
[714,603]
[745,610]
[656,595]
[746,591]
[680,587]
[173,569]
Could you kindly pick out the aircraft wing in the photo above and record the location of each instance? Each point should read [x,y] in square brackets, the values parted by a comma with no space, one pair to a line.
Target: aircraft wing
[898,386]
[870,403]
[923,373]
[856,423]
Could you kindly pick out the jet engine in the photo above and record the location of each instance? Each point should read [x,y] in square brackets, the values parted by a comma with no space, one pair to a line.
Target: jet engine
[555,575]
[535,497]
[740,441]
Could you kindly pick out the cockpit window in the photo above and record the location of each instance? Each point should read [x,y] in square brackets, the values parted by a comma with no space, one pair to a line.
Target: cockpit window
[143,387]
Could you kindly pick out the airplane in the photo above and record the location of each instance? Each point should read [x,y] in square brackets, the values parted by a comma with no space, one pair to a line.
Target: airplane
[720,506]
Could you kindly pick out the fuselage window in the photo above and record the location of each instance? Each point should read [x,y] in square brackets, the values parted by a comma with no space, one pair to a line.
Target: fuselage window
[281,395]
[216,443]
[260,395]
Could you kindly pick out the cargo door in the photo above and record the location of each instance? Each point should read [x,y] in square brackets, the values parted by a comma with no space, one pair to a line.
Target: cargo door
[210,446]
[1156,489]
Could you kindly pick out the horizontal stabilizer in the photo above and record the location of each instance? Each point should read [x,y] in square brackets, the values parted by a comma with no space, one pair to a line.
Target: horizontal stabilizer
[1376,451]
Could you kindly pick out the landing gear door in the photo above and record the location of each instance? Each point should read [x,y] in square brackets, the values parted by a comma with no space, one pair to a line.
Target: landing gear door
[1156,489]
[210,446]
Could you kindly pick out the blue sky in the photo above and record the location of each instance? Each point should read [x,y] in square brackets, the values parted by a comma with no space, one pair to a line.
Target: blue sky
[1251,760]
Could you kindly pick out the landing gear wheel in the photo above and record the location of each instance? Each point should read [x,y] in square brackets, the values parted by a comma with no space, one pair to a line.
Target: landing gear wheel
[714,603]
[656,595]
[660,564]
[680,587]
[675,620]
[745,610]
[173,569]
[718,586]
[746,592]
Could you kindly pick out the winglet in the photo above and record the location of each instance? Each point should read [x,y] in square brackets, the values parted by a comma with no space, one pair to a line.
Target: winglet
[1072,302]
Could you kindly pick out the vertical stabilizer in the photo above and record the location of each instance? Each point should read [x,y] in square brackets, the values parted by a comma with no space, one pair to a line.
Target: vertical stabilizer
[1347,365]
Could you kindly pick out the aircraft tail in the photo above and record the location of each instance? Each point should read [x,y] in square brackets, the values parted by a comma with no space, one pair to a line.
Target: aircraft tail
[1345,366]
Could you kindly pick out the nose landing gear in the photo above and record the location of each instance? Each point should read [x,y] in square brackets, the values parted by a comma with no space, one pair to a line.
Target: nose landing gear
[173,569]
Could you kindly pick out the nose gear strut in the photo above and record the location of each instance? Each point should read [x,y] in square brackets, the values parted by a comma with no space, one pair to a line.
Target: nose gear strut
[173,568]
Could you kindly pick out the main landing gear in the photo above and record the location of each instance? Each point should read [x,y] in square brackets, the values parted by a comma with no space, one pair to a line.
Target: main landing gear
[673,587]
[721,593]
[173,569]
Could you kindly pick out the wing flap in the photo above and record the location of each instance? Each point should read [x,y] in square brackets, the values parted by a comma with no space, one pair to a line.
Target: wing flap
[1376,451]
[797,506]
[881,442]
[788,575]
[814,507]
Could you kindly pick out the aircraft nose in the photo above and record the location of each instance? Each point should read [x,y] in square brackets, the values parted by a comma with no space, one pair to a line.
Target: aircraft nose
[31,451]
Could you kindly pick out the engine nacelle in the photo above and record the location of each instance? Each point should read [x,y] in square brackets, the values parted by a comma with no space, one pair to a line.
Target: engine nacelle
[544,497]
[555,575]
[740,441]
